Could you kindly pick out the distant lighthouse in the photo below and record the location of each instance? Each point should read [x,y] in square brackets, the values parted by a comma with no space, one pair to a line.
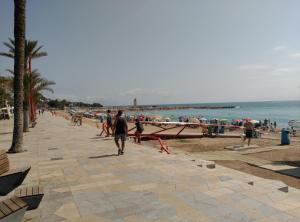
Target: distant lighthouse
[135,102]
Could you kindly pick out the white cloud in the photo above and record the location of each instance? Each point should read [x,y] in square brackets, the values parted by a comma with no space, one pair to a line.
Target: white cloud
[286,69]
[256,67]
[280,48]
[296,55]
[270,69]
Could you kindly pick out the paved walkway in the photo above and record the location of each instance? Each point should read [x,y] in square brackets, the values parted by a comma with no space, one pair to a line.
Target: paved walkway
[85,181]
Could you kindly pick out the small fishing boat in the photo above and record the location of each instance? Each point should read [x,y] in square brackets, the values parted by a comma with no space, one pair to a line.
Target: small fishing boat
[294,123]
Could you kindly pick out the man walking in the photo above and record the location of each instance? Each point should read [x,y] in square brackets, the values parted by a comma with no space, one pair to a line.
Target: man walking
[108,123]
[139,130]
[120,130]
[248,131]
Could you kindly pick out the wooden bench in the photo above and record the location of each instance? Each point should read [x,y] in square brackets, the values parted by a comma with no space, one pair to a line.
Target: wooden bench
[10,178]
[31,195]
[12,209]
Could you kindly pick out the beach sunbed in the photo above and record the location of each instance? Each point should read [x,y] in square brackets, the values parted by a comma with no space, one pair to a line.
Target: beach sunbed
[12,209]
[10,178]
[31,195]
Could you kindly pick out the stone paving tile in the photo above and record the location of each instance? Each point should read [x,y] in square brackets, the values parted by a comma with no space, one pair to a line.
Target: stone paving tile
[281,217]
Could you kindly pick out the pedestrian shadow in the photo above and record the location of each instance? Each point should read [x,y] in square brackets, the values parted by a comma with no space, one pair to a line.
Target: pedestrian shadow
[6,133]
[102,156]
[96,138]
[101,138]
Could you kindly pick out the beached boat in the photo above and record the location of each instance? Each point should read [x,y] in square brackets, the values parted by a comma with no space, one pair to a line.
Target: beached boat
[294,123]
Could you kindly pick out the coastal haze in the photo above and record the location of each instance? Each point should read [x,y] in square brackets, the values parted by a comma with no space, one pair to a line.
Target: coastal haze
[167,51]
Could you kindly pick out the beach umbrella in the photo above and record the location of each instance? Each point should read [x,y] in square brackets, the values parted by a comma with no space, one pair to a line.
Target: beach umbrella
[155,117]
[223,120]
[254,121]
[194,120]
[203,119]
[237,120]
[167,119]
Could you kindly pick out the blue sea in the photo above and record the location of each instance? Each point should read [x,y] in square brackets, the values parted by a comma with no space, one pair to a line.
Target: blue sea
[279,111]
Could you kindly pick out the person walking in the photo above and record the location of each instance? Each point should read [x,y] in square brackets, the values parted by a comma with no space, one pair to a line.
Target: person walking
[139,130]
[120,130]
[101,118]
[108,123]
[248,131]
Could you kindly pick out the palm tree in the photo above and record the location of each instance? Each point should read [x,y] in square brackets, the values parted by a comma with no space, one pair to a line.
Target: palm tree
[32,51]
[19,64]
[38,84]
[35,84]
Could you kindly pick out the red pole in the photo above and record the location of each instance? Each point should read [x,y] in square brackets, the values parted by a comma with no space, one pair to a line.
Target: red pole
[32,109]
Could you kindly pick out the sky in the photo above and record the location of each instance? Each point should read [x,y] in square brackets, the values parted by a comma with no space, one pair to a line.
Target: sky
[164,51]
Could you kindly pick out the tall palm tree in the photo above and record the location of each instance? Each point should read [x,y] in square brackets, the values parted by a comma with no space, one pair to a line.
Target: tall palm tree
[38,84]
[32,51]
[19,64]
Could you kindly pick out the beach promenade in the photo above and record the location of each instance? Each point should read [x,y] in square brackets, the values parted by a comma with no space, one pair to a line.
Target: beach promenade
[84,181]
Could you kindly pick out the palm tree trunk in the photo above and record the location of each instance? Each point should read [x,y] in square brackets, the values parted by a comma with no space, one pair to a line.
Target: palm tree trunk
[25,117]
[19,60]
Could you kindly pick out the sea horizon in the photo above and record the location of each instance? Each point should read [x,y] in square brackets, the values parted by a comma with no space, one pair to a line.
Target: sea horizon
[210,103]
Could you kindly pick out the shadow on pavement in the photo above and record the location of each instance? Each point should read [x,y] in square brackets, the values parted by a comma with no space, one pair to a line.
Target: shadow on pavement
[103,156]
[5,133]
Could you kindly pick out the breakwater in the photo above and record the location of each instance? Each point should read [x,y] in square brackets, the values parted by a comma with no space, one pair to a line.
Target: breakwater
[155,108]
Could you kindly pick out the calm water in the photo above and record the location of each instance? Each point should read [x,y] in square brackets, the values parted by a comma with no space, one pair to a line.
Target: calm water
[281,112]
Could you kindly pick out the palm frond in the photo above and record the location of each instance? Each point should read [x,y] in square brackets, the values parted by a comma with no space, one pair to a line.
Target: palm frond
[9,46]
[7,54]
[37,50]
[10,71]
[39,54]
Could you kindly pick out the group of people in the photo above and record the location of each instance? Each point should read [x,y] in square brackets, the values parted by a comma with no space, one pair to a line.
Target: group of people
[41,111]
[119,129]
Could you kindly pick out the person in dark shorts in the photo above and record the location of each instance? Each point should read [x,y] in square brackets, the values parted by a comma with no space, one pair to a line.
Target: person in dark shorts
[139,130]
[120,130]
[248,131]
[108,123]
